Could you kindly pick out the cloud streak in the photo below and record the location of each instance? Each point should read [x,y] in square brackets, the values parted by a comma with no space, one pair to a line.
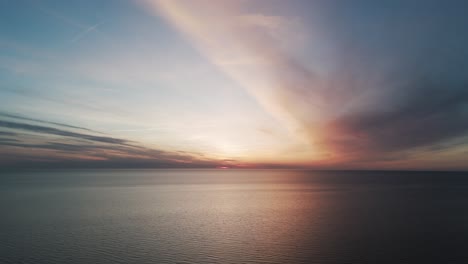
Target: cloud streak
[374,102]
[50,147]
[357,84]
[13,116]
[85,32]
[59,132]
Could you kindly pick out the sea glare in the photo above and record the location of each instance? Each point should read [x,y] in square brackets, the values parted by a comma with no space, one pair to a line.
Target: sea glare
[233,216]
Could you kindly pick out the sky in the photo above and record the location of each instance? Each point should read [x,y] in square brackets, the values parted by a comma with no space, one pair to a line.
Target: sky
[323,84]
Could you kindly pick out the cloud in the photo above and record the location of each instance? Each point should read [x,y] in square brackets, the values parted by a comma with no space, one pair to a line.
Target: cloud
[14,116]
[85,32]
[417,121]
[3,133]
[85,29]
[231,34]
[59,132]
[373,101]
[52,148]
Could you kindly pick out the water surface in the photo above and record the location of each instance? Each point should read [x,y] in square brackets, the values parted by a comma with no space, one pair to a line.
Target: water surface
[233,216]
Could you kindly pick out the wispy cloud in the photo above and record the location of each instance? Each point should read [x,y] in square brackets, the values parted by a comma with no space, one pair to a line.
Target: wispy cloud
[85,32]
[60,132]
[53,147]
[328,84]
[14,116]
[372,104]
[235,33]
[85,29]
[4,133]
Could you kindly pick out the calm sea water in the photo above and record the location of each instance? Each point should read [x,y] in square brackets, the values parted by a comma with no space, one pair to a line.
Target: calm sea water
[233,216]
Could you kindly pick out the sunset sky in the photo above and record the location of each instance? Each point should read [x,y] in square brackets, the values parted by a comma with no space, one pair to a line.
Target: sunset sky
[317,84]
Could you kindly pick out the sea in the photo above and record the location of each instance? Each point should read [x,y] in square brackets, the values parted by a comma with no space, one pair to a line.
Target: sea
[233,216]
